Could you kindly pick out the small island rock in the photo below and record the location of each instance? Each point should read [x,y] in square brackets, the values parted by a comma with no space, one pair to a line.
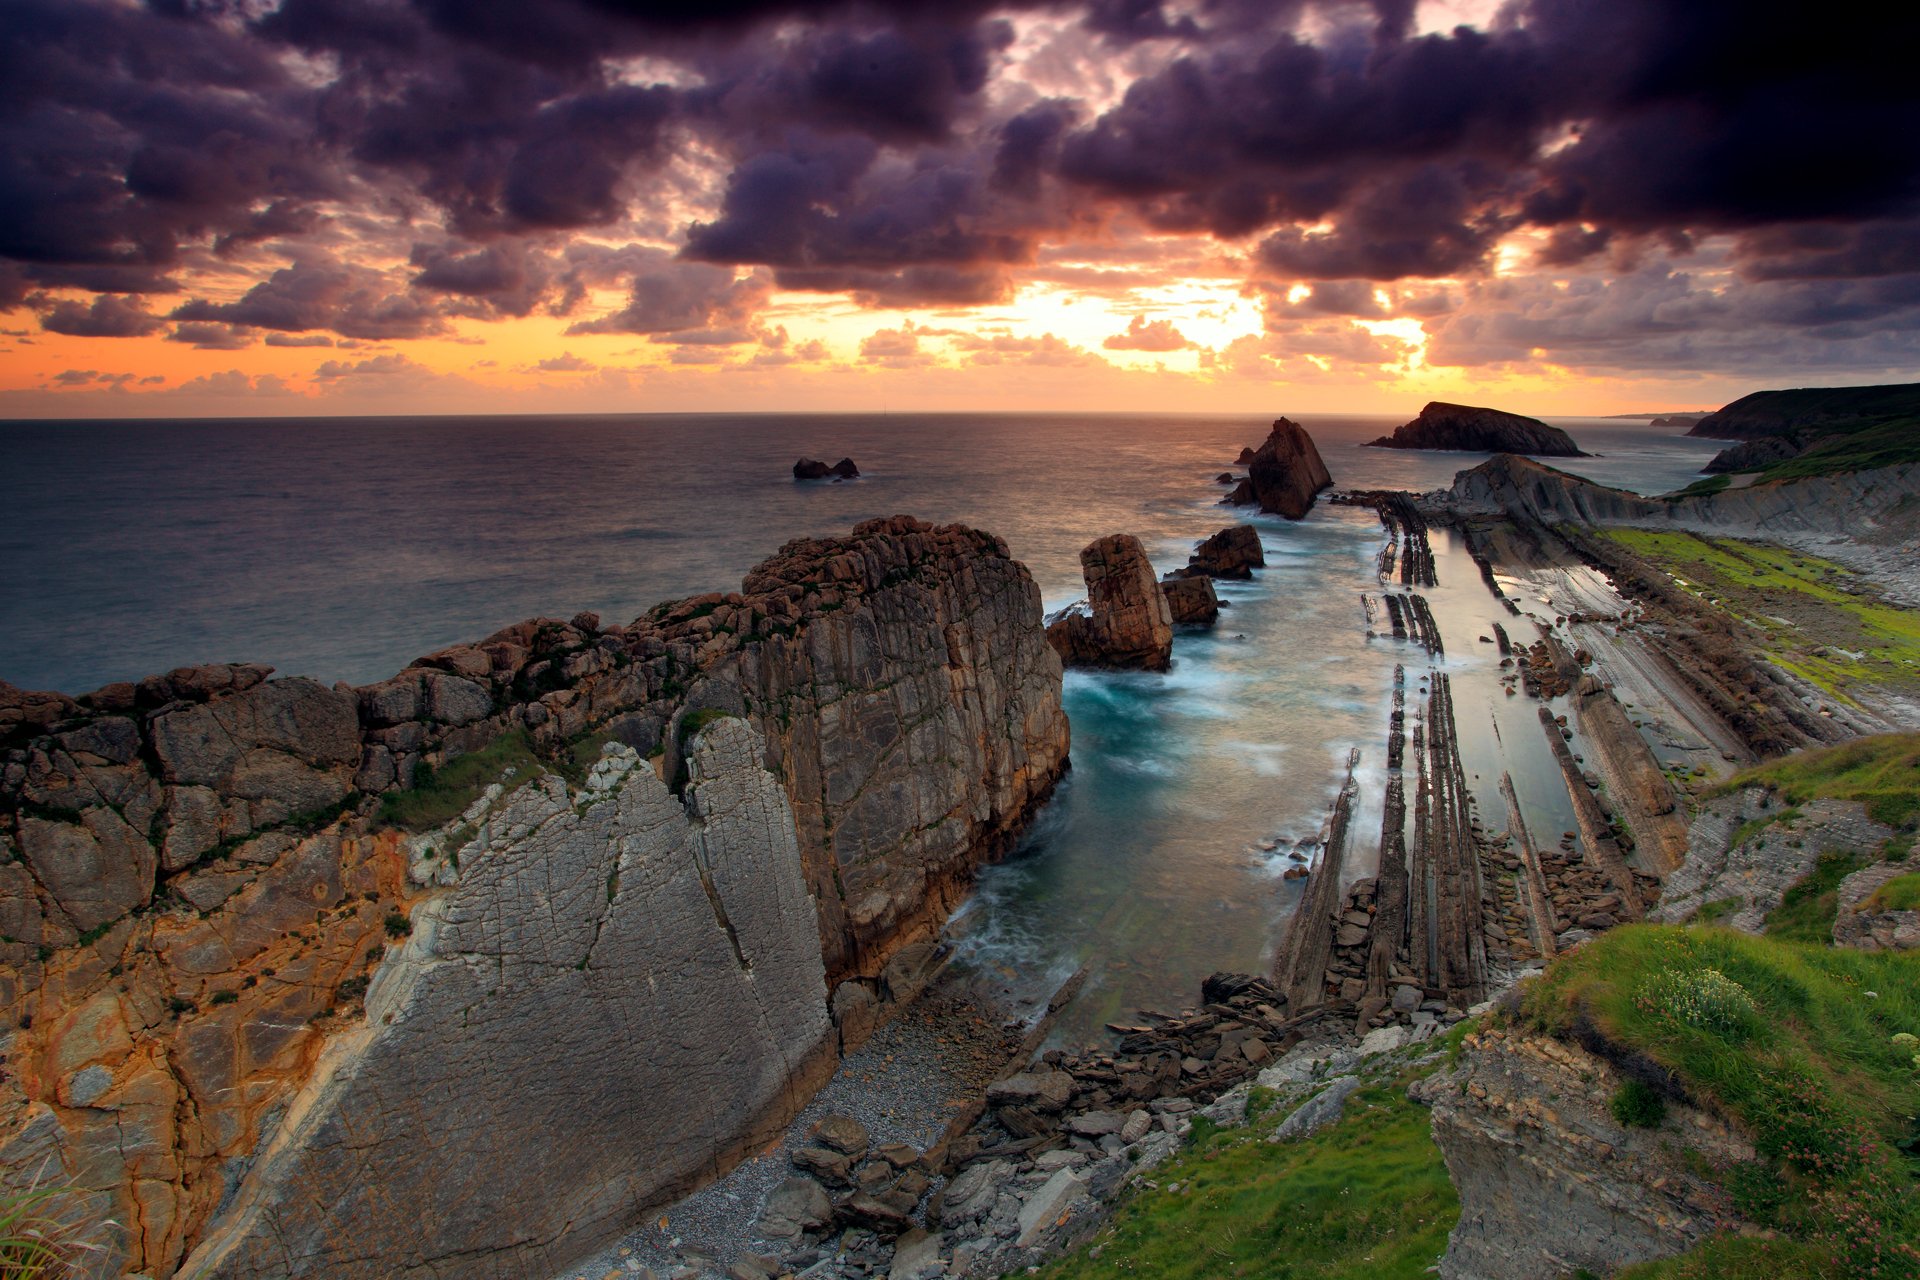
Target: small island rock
[1465,428]
[1283,474]
[809,469]
[1131,624]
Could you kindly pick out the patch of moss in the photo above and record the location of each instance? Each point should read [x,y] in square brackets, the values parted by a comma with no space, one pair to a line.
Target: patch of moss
[1902,893]
[1365,1199]
[1807,911]
[438,796]
[1882,772]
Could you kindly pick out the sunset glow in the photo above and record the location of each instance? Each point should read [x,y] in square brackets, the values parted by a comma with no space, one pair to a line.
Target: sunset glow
[261,208]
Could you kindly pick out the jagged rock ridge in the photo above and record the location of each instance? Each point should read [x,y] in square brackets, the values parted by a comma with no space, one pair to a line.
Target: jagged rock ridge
[197,894]
[1130,623]
[1468,429]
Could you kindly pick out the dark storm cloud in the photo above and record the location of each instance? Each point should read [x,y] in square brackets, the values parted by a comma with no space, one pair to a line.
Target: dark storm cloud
[211,337]
[876,148]
[106,317]
[319,293]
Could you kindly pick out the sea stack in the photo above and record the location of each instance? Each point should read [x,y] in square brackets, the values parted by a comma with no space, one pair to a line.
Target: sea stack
[1468,429]
[1131,624]
[1283,474]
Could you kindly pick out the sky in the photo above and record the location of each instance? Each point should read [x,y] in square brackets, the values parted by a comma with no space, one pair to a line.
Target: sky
[297,207]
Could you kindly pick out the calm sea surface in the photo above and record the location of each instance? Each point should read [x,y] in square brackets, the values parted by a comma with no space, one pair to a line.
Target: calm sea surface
[343,548]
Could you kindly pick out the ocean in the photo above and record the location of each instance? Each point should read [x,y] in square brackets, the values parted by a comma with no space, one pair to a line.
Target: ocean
[343,548]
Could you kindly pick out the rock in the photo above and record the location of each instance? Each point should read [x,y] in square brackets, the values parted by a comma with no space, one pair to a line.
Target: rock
[1284,474]
[1862,925]
[842,1133]
[809,469]
[1233,552]
[1131,625]
[826,1164]
[1382,1040]
[1093,1124]
[1225,477]
[1465,428]
[1580,1192]
[898,1154]
[1048,1161]
[1191,601]
[972,1193]
[876,1214]
[916,1256]
[1048,1207]
[1136,1127]
[1406,999]
[1323,1109]
[1040,1090]
[796,1206]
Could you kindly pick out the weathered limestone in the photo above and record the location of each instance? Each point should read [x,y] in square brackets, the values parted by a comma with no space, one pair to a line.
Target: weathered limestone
[1131,624]
[1191,601]
[1234,552]
[1284,473]
[1867,926]
[595,922]
[196,891]
[1549,1182]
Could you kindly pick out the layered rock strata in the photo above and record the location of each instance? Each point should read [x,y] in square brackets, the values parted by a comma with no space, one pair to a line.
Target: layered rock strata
[1468,429]
[1234,552]
[1130,623]
[1549,1182]
[200,891]
[1284,474]
[1191,601]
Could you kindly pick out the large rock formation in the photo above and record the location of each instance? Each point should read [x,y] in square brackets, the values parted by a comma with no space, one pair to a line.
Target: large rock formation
[814,469]
[1474,430]
[1191,601]
[1549,1182]
[1233,552]
[200,901]
[1807,413]
[1130,624]
[1751,455]
[1860,504]
[495,1050]
[1283,474]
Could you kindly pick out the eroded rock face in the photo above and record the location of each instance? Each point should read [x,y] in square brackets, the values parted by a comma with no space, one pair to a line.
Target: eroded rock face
[1131,624]
[1866,925]
[196,888]
[1231,553]
[1475,430]
[622,991]
[1549,1182]
[1284,474]
[1192,601]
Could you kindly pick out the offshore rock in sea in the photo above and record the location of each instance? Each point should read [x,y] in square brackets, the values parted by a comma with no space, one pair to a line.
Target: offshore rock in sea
[811,469]
[1231,553]
[1283,474]
[1191,600]
[252,1019]
[1444,426]
[1131,624]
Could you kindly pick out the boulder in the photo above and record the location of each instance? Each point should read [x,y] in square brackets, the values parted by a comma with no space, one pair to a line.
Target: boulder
[1444,426]
[1191,601]
[1233,552]
[842,1133]
[1038,1090]
[1323,1109]
[810,469]
[1284,474]
[1049,1206]
[1130,624]
[796,1206]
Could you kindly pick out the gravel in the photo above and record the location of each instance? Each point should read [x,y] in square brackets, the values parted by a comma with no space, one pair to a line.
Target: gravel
[905,1085]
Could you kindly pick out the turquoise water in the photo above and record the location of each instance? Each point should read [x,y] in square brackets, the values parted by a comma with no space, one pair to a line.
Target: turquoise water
[344,548]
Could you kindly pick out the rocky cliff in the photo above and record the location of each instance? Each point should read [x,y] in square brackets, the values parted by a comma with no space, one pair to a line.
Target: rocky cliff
[1861,504]
[1130,623]
[1550,1183]
[1284,474]
[203,905]
[1806,412]
[1467,429]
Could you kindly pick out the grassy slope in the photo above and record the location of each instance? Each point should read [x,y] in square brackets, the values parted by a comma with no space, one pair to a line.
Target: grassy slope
[1848,428]
[1795,602]
[1365,1199]
[1811,1070]
[1882,772]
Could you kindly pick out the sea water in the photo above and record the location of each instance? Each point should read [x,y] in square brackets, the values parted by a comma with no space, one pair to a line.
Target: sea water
[343,548]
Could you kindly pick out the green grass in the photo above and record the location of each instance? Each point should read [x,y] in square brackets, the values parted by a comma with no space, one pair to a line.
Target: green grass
[1738,1258]
[1699,488]
[1365,1199]
[438,796]
[1882,772]
[1810,1071]
[1714,912]
[1867,446]
[1902,893]
[1794,604]
[42,1235]
[1807,911]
